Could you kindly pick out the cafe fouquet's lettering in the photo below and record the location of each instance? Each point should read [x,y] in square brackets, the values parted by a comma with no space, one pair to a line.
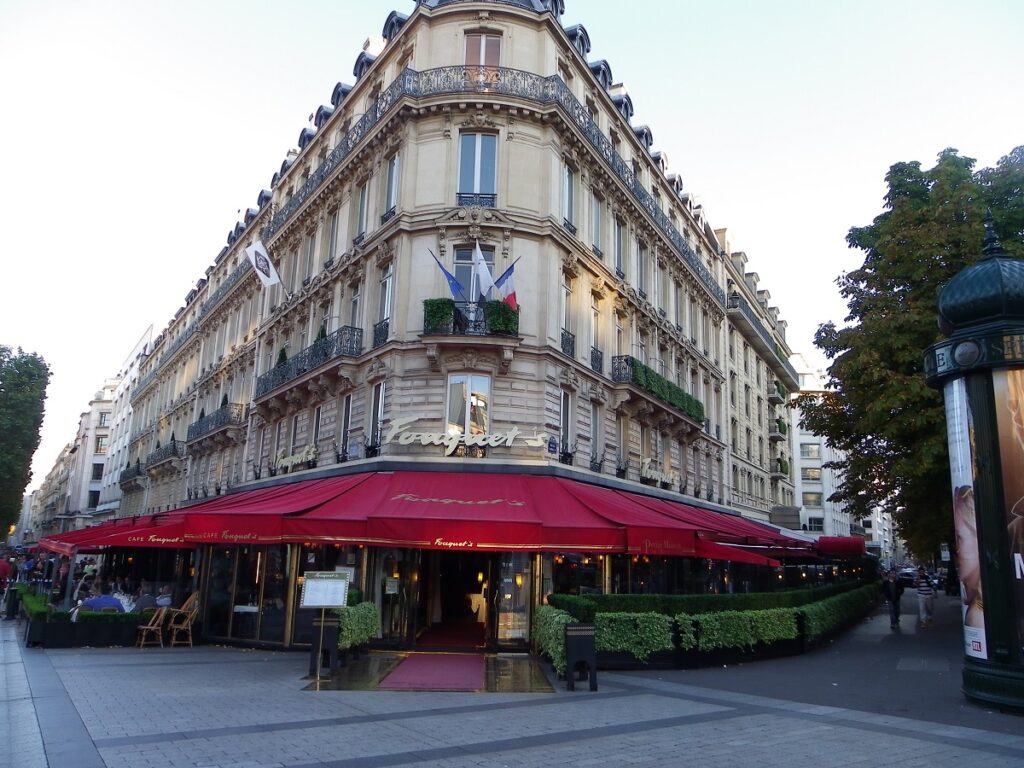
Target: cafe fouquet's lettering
[650,471]
[398,433]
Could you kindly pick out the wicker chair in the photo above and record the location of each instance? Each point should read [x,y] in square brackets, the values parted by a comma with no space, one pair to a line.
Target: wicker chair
[181,619]
[152,632]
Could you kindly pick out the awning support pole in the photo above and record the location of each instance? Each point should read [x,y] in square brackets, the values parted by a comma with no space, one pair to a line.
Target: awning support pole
[70,579]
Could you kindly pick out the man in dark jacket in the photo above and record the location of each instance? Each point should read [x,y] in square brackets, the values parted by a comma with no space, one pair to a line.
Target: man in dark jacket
[893,591]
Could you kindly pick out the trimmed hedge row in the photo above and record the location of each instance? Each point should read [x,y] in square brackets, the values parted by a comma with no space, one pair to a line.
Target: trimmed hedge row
[357,624]
[643,633]
[585,607]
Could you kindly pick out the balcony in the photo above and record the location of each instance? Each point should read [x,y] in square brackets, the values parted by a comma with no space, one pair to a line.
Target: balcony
[171,454]
[463,199]
[223,427]
[380,333]
[744,317]
[777,431]
[643,381]
[568,343]
[481,82]
[131,476]
[143,384]
[779,469]
[489,324]
[347,341]
[596,360]
[776,393]
[569,226]
[388,215]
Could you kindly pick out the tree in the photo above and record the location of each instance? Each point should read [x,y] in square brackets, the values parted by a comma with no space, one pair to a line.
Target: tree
[23,381]
[877,410]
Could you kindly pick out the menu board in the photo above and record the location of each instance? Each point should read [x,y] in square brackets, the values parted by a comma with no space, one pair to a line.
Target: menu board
[324,589]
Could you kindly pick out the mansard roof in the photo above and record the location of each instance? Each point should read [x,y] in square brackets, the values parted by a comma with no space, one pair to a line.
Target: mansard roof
[341,90]
[555,7]
[394,22]
[579,38]
[603,72]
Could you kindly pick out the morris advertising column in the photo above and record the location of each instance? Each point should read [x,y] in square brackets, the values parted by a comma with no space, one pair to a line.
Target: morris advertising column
[980,369]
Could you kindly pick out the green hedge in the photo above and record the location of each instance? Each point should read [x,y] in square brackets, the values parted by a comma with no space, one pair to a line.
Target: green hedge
[639,634]
[822,617]
[549,634]
[579,607]
[673,605]
[736,629]
[357,624]
[656,384]
[38,609]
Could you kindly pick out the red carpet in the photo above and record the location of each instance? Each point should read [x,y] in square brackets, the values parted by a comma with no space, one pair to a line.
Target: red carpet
[437,672]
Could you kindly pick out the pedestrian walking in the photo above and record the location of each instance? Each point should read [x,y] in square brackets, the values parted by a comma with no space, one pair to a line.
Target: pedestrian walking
[925,596]
[893,592]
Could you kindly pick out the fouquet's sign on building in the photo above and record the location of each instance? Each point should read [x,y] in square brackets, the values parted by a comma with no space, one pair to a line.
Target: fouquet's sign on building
[398,432]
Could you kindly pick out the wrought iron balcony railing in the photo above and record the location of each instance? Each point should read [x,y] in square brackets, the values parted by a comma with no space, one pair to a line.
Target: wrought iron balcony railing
[569,226]
[445,317]
[569,343]
[175,449]
[347,341]
[230,281]
[380,332]
[130,473]
[526,86]
[232,413]
[597,359]
[628,369]
[473,198]
[179,342]
[388,215]
[143,384]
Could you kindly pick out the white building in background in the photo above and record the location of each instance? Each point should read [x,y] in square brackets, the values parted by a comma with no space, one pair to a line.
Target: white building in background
[815,482]
[89,457]
[121,428]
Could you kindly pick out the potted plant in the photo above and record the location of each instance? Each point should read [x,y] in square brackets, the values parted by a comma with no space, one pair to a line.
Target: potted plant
[438,316]
[501,319]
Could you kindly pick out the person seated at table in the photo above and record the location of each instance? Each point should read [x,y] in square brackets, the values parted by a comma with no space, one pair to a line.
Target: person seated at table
[103,600]
[146,598]
[165,598]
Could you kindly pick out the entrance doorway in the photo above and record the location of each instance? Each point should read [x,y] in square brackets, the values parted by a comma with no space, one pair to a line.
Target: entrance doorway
[456,606]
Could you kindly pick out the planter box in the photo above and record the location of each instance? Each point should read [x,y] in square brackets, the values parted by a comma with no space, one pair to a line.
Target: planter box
[66,634]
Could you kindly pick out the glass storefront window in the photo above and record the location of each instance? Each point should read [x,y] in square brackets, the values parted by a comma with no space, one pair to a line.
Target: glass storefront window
[574,573]
[514,598]
[220,585]
[321,557]
[272,604]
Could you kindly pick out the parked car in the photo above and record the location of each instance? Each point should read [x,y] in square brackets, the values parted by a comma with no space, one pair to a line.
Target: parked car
[907,576]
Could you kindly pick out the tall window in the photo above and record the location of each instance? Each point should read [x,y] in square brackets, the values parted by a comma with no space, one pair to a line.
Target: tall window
[94,499]
[469,398]
[565,422]
[346,424]
[595,223]
[641,269]
[310,255]
[596,437]
[391,200]
[478,163]
[360,227]
[595,323]
[569,194]
[104,419]
[317,416]
[566,302]
[377,415]
[386,284]
[619,244]
[467,276]
[678,316]
[97,471]
[483,51]
[332,233]
[354,318]
[101,444]
[294,436]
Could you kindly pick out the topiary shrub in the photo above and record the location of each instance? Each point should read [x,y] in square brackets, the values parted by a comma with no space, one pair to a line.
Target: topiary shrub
[549,634]
[638,634]
[357,624]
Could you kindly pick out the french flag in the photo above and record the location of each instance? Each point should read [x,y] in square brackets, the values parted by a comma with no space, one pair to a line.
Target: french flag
[507,287]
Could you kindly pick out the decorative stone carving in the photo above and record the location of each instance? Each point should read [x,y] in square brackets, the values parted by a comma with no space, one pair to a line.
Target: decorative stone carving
[377,371]
[569,379]
[478,120]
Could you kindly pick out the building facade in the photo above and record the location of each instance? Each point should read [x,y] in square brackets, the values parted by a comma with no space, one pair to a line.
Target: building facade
[626,347]
[117,463]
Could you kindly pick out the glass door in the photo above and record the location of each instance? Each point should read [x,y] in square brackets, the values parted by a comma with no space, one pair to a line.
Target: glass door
[513,597]
[394,584]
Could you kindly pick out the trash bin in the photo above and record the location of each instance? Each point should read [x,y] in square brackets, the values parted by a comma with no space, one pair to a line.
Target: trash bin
[580,655]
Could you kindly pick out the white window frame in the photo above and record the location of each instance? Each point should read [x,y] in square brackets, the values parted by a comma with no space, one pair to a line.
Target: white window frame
[391,196]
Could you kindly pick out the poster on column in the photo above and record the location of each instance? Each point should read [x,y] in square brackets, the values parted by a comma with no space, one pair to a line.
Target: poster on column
[960,435]
[1008,386]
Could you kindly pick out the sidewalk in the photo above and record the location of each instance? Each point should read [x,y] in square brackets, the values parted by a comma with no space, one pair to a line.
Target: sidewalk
[870,696]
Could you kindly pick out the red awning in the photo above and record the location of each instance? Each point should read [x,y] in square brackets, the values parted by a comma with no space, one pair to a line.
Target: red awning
[257,517]
[439,510]
[164,531]
[715,551]
[841,546]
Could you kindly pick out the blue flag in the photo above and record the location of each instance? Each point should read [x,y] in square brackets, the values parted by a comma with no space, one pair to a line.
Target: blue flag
[453,282]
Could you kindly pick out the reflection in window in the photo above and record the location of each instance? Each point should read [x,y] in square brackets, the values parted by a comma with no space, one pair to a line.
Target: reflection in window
[468,402]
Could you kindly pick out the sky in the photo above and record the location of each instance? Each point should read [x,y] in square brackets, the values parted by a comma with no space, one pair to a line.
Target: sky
[133,133]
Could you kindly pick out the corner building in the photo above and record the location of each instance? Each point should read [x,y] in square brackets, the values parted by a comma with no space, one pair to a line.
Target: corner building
[458,456]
